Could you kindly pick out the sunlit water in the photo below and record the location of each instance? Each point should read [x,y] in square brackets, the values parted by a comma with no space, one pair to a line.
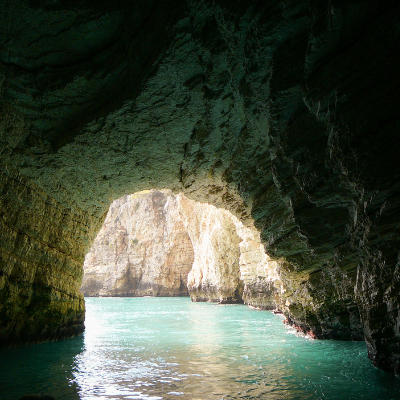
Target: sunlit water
[171,348]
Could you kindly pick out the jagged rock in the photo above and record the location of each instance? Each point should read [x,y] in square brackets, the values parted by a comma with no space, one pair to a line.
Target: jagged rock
[283,112]
[142,249]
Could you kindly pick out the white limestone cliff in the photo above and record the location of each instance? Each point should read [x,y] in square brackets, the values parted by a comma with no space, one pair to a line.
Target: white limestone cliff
[141,250]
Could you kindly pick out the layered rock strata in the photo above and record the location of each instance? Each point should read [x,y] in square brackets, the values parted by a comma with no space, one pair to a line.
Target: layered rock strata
[142,249]
[42,246]
[281,111]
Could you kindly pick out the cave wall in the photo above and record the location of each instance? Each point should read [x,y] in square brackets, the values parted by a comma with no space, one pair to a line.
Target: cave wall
[284,113]
[42,251]
[333,149]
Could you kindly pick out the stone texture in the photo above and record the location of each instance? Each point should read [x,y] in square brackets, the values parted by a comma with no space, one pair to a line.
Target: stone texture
[142,249]
[283,112]
[42,247]
[230,264]
[215,274]
[262,285]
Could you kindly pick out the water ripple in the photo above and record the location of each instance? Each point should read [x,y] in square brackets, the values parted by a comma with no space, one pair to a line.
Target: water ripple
[151,348]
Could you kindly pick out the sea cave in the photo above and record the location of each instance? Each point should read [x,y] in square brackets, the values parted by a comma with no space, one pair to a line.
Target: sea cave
[283,113]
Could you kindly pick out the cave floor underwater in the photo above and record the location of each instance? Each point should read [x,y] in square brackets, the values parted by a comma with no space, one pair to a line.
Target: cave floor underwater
[172,348]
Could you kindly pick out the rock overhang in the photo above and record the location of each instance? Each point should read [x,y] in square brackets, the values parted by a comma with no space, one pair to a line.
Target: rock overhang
[281,112]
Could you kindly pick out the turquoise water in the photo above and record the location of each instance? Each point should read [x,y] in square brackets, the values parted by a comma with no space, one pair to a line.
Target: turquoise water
[171,348]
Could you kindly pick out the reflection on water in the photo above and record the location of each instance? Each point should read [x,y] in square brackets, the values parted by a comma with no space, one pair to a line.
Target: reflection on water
[151,348]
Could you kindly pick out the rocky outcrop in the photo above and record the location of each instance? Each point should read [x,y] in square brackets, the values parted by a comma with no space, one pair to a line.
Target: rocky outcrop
[283,112]
[230,264]
[142,249]
[262,285]
[215,275]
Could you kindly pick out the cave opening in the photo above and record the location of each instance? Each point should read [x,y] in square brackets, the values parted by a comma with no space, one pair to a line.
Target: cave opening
[156,243]
[154,251]
[285,113]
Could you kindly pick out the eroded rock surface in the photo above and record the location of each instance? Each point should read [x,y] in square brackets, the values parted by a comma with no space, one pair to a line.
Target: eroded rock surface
[142,249]
[42,251]
[281,111]
[262,285]
[230,264]
[215,275]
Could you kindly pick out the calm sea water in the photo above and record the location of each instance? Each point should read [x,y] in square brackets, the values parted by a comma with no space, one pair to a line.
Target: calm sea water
[171,348]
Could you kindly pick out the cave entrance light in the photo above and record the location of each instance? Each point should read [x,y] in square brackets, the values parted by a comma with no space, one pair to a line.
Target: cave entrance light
[156,243]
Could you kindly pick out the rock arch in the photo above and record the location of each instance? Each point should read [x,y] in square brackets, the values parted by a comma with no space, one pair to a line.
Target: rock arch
[281,112]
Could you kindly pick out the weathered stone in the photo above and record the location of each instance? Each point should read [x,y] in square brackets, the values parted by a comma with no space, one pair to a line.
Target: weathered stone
[142,249]
[42,247]
[262,285]
[230,264]
[215,274]
[283,112]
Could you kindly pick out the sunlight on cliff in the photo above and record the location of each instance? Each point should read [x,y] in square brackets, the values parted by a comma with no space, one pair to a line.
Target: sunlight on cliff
[156,243]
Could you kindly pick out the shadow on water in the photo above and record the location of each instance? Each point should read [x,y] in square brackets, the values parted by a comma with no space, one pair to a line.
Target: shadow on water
[45,368]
